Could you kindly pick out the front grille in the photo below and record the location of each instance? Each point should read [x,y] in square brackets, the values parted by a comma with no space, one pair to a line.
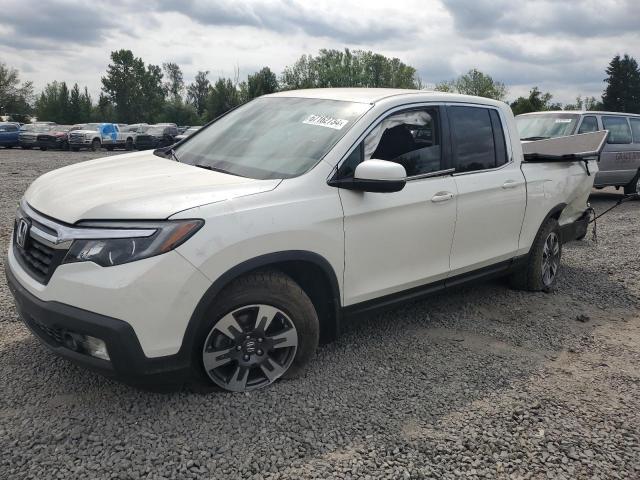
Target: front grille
[76,137]
[37,258]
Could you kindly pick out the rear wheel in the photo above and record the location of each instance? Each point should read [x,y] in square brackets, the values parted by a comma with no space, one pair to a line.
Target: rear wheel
[261,328]
[95,145]
[543,263]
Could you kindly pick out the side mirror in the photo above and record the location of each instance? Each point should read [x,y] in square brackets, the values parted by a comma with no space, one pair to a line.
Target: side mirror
[379,176]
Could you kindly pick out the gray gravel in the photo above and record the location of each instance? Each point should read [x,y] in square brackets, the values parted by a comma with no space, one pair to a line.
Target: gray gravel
[483,382]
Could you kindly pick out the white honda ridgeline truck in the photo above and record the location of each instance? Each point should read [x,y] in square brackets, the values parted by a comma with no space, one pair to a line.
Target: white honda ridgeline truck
[225,260]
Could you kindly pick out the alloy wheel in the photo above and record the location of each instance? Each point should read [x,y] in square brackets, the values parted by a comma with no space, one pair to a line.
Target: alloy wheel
[250,347]
[550,259]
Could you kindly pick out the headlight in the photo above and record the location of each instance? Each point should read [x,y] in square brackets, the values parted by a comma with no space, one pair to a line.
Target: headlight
[106,252]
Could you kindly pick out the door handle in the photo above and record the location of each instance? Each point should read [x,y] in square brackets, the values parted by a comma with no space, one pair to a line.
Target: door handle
[442,197]
[509,184]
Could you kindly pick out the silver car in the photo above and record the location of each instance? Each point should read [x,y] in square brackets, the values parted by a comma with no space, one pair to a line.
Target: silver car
[620,160]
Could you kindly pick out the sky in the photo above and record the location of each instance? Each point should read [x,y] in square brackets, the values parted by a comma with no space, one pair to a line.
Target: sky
[561,46]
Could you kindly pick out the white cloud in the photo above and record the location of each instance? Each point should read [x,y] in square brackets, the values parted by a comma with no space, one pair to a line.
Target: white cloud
[562,47]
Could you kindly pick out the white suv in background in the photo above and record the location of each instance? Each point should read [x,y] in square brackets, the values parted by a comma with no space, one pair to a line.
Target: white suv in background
[226,259]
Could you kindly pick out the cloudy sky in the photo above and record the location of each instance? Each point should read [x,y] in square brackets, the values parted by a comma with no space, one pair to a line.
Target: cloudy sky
[560,45]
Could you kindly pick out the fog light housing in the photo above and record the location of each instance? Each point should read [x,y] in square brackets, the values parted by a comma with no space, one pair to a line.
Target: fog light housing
[87,344]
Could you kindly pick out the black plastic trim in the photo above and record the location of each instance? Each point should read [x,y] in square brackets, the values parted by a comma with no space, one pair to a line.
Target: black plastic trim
[575,230]
[376,186]
[128,361]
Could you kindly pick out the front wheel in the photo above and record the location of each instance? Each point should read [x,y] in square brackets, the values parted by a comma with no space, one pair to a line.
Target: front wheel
[95,145]
[543,263]
[128,145]
[261,328]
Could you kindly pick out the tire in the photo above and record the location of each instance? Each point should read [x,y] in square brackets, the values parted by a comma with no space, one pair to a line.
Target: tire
[241,364]
[633,186]
[128,145]
[546,251]
[95,145]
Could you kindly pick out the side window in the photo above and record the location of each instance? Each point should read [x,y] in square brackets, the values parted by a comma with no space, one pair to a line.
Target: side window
[473,139]
[589,124]
[635,128]
[619,131]
[12,128]
[498,138]
[410,138]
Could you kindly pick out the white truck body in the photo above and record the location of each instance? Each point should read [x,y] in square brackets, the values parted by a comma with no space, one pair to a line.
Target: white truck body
[440,228]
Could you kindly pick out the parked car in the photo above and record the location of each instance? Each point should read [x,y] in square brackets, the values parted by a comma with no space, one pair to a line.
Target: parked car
[225,260]
[189,131]
[620,160]
[9,133]
[156,136]
[56,138]
[99,135]
[28,137]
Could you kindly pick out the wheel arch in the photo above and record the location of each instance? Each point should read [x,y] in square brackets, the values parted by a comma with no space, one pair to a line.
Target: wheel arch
[311,271]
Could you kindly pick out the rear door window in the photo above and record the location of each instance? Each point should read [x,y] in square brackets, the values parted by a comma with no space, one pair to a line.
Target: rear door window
[619,130]
[474,145]
[589,124]
[635,128]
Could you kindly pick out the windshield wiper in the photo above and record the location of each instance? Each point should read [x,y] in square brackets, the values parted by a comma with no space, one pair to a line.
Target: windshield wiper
[534,138]
[166,153]
[216,169]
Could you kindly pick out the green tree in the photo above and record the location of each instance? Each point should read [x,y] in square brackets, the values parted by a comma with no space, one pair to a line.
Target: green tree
[535,102]
[474,82]
[586,103]
[104,111]
[222,97]
[16,97]
[198,91]
[259,83]
[135,92]
[174,85]
[334,68]
[75,106]
[86,107]
[177,111]
[622,93]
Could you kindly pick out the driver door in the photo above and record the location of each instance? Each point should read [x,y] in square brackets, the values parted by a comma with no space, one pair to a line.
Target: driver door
[401,240]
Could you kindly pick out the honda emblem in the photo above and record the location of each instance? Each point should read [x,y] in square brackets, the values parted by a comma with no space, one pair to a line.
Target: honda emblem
[22,233]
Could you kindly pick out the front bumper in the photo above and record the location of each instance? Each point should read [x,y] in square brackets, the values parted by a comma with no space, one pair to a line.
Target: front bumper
[49,320]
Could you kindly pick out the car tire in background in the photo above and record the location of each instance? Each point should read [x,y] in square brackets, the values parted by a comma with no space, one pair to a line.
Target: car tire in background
[95,145]
[541,268]
[128,145]
[261,327]
[633,186]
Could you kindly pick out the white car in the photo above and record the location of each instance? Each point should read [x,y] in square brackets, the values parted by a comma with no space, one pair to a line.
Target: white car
[225,261]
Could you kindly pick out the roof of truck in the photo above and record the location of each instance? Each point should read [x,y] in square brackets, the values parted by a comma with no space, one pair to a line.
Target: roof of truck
[373,95]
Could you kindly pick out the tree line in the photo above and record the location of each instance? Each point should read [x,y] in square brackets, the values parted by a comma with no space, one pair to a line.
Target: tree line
[133,91]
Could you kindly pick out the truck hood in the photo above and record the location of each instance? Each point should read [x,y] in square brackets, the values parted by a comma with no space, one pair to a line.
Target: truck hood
[137,186]
[84,132]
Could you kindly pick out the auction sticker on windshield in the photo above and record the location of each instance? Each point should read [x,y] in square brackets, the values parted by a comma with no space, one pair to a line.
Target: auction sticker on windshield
[324,121]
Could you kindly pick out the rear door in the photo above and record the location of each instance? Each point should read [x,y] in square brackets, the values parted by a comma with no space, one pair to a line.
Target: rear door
[490,185]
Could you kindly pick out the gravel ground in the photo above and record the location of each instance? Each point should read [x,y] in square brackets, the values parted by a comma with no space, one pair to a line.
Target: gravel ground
[482,382]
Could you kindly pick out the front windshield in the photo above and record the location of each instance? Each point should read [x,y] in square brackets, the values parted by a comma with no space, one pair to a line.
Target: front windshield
[547,125]
[271,137]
